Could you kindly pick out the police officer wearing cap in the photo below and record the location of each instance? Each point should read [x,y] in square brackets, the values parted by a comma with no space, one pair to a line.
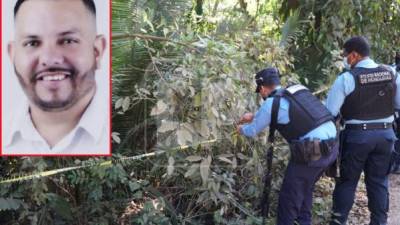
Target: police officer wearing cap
[395,159]
[366,97]
[395,162]
[308,128]
[397,62]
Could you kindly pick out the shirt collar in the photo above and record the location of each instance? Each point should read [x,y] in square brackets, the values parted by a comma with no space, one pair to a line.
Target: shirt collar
[92,121]
[95,117]
[367,63]
[22,125]
[274,91]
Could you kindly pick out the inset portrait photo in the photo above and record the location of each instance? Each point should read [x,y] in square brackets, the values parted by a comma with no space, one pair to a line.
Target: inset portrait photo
[56,78]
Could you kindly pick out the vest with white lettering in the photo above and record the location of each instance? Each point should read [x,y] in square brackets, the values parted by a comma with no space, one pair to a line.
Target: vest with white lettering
[373,96]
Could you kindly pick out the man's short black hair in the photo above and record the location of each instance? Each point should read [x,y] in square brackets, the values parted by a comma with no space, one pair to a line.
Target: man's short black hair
[88,3]
[357,44]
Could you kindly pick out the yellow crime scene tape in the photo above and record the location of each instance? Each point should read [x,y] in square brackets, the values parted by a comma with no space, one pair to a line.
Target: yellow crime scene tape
[100,164]
[108,162]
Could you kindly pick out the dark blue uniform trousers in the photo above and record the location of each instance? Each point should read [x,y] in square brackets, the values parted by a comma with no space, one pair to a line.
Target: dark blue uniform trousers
[368,151]
[395,163]
[295,196]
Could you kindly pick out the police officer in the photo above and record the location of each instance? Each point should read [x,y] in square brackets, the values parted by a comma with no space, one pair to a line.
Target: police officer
[395,163]
[307,126]
[366,98]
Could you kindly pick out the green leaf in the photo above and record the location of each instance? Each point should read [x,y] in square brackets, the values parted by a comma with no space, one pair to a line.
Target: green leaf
[159,108]
[194,158]
[146,19]
[224,159]
[60,206]
[170,167]
[115,137]
[215,112]
[134,186]
[167,126]
[125,104]
[118,104]
[205,169]
[9,204]
[96,193]
[192,170]
[183,136]
[145,91]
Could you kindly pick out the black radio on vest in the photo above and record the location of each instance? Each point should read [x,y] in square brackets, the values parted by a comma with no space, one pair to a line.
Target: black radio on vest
[306,112]
[373,95]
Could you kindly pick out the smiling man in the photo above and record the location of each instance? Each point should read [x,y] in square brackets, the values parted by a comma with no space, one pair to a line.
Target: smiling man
[55,52]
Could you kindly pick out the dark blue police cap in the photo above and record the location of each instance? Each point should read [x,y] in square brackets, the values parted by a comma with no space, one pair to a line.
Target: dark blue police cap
[268,76]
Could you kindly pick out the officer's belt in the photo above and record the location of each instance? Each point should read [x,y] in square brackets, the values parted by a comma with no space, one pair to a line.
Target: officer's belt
[369,126]
[307,150]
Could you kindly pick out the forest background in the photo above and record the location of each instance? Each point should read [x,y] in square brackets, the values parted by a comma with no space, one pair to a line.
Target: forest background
[182,74]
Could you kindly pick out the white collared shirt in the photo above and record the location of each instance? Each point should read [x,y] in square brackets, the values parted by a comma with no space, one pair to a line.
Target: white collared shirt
[90,136]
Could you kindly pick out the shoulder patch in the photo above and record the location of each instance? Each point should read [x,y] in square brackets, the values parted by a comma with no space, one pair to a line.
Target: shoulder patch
[295,88]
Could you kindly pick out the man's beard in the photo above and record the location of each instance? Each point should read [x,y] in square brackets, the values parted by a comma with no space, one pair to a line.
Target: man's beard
[56,105]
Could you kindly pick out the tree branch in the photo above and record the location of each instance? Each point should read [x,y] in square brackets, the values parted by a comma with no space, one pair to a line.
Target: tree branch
[149,37]
[320,91]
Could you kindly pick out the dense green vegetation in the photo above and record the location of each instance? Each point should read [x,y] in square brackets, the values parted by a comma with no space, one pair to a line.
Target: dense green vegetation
[182,75]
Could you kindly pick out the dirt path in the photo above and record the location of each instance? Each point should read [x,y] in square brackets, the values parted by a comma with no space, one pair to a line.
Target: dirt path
[359,214]
[394,208]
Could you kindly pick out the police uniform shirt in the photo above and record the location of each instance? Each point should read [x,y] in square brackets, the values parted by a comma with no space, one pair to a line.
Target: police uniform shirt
[262,119]
[344,85]
[394,68]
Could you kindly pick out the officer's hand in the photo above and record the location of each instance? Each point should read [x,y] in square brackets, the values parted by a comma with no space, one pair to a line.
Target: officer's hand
[238,129]
[246,118]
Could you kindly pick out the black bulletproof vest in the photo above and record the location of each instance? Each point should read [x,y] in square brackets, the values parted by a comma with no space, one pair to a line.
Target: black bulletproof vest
[373,96]
[306,112]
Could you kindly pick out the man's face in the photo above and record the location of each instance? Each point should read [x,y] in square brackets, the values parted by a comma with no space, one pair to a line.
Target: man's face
[265,91]
[56,52]
[352,58]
